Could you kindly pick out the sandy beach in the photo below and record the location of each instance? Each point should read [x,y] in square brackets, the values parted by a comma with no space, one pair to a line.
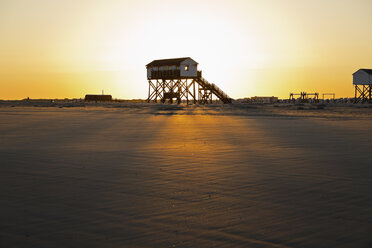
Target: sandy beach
[153,175]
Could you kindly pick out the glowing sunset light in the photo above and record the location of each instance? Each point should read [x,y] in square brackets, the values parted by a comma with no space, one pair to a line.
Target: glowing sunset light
[57,49]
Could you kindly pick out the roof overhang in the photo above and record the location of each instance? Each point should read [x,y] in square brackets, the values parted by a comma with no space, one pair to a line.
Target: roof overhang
[169,62]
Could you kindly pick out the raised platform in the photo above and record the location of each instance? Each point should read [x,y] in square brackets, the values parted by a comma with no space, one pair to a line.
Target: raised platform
[192,89]
[363,93]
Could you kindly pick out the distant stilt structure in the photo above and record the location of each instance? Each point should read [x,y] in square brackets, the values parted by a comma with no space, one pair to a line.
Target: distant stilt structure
[178,79]
[329,94]
[363,93]
[304,97]
[313,96]
[362,80]
[293,99]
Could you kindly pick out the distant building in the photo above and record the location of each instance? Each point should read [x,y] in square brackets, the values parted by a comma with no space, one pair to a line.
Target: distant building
[264,99]
[362,77]
[98,98]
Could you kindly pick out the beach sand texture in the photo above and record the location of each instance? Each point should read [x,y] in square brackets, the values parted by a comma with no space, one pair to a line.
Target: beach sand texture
[185,176]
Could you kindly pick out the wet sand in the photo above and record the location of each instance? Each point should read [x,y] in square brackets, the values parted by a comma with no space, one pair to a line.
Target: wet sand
[178,176]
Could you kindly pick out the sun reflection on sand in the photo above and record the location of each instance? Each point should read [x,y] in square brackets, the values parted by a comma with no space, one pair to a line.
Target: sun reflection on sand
[192,139]
[217,136]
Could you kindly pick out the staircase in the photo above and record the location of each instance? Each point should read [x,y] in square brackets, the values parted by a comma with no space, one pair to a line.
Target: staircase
[214,89]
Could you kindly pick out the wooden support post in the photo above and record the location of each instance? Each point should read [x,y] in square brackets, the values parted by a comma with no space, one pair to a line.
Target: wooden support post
[193,82]
[355,98]
[187,93]
[148,99]
[163,91]
[157,90]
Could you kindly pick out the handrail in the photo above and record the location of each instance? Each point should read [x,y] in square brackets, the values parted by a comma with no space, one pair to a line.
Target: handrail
[216,90]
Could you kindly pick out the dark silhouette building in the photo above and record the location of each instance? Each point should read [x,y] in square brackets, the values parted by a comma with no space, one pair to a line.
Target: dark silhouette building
[362,79]
[180,79]
[98,98]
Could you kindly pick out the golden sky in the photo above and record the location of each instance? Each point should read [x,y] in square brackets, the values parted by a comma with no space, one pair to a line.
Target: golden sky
[58,49]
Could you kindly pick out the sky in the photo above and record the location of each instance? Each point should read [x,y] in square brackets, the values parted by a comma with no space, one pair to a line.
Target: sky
[66,49]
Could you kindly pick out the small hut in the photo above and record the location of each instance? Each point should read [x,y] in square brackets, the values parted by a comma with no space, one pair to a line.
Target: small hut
[362,80]
[98,98]
[362,77]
